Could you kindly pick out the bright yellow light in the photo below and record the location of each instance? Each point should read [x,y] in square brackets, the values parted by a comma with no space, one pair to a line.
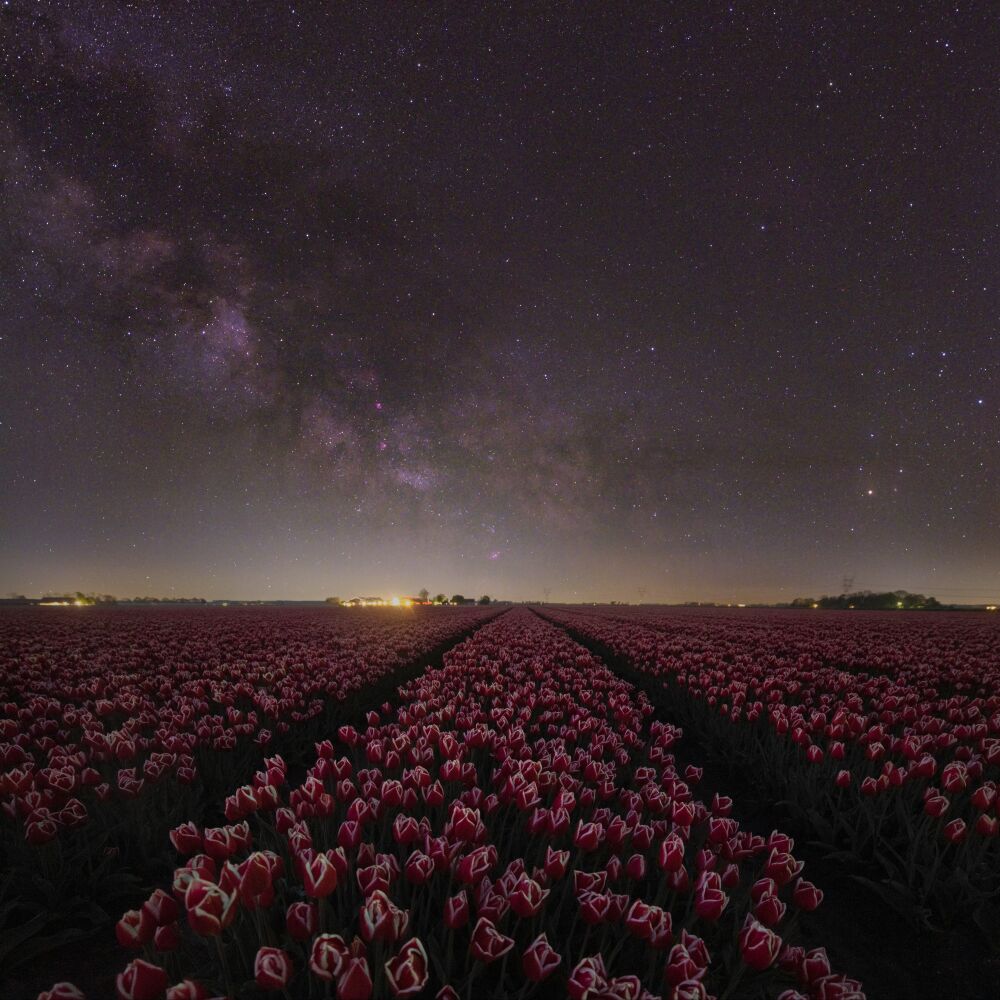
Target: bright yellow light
[395,602]
[991,607]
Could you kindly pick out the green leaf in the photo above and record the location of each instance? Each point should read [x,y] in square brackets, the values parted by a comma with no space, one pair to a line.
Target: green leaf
[899,898]
[14,938]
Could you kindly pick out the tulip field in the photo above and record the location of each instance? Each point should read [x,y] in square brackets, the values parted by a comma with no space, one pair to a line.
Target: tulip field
[882,732]
[464,803]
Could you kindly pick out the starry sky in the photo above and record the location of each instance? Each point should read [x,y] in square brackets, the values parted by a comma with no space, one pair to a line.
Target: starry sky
[600,301]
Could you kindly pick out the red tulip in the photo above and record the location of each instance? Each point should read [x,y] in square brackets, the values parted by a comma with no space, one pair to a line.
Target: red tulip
[758,945]
[475,866]
[984,796]
[327,957]
[40,831]
[710,900]
[671,856]
[141,980]
[588,836]
[354,981]
[681,967]
[987,826]
[167,937]
[815,965]
[806,896]
[135,929]
[186,839]
[769,910]
[837,988]
[62,991]
[635,867]
[556,863]
[319,876]
[407,972]
[488,944]
[272,968]
[588,978]
[162,908]
[527,897]
[209,909]
[218,843]
[936,806]
[456,910]
[540,959]
[954,832]
[301,920]
[782,867]
[690,989]
[381,919]
[188,989]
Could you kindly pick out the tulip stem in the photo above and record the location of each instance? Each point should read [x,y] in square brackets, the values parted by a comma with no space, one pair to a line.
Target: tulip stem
[734,982]
[225,966]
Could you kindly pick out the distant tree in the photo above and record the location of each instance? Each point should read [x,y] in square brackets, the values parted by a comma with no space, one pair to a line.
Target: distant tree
[333,600]
[423,593]
[457,599]
[485,599]
[867,600]
[441,599]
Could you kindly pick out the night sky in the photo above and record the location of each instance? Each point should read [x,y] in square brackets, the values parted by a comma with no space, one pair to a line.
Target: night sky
[680,301]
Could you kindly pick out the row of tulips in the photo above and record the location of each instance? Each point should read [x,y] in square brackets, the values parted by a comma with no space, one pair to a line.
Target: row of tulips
[102,707]
[882,729]
[516,826]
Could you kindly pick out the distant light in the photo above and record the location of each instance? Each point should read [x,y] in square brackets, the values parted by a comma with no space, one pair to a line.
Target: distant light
[395,602]
[991,607]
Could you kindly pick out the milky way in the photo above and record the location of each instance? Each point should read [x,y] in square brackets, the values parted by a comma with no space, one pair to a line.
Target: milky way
[688,302]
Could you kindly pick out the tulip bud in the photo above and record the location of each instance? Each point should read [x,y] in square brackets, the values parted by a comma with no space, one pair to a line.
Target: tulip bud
[456,910]
[319,876]
[187,989]
[355,980]
[135,929]
[955,831]
[758,945]
[62,991]
[540,959]
[272,968]
[806,896]
[407,972]
[141,980]
[488,944]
